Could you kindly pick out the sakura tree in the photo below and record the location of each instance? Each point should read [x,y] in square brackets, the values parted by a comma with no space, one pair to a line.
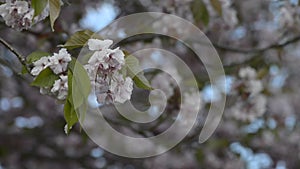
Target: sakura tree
[143,65]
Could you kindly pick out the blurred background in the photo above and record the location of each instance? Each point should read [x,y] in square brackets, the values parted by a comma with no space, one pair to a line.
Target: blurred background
[259,128]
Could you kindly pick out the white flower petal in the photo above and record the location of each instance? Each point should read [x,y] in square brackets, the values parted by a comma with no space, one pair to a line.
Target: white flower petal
[96,44]
[248,73]
[40,65]
[61,87]
[59,61]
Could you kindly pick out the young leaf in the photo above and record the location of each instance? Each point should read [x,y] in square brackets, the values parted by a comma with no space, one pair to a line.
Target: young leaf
[83,107]
[81,86]
[70,78]
[79,39]
[45,79]
[216,4]
[136,73]
[70,115]
[54,7]
[86,57]
[200,12]
[36,56]
[141,82]
[38,6]
[70,87]
[82,110]
[24,70]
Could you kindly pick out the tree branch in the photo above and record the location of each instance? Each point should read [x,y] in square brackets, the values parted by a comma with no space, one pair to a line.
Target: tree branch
[9,47]
[149,37]
[258,50]
[20,57]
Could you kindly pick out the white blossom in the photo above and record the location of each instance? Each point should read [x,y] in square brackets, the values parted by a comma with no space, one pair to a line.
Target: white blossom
[192,100]
[107,61]
[98,45]
[247,73]
[249,110]
[165,83]
[230,17]
[226,3]
[59,61]
[254,87]
[28,16]
[58,64]
[286,17]
[20,7]
[17,14]
[91,71]
[40,65]
[260,104]
[61,87]
[122,88]
[248,77]
[119,90]
[101,85]
[161,82]
[254,105]
[109,85]
[229,14]
[106,98]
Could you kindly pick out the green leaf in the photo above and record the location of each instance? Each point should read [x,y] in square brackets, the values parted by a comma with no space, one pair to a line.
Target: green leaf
[216,4]
[81,86]
[70,78]
[79,39]
[141,81]
[82,109]
[70,109]
[86,57]
[70,115]
[45,79]
[54,7]
[36,56]
[123,71]
[24,70]
[200,12]
[38,6]
[136,73]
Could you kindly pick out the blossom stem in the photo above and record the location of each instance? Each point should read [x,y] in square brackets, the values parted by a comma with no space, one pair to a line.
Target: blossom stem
[20,57]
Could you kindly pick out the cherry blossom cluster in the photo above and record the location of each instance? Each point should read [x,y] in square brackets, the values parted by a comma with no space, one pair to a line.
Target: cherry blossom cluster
[104,68]
[251,103]
[19,14]
[58,63]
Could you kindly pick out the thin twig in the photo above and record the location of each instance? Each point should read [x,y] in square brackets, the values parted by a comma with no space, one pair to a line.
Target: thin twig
[20,57]
[4,63]
[148,37]
[258,50]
